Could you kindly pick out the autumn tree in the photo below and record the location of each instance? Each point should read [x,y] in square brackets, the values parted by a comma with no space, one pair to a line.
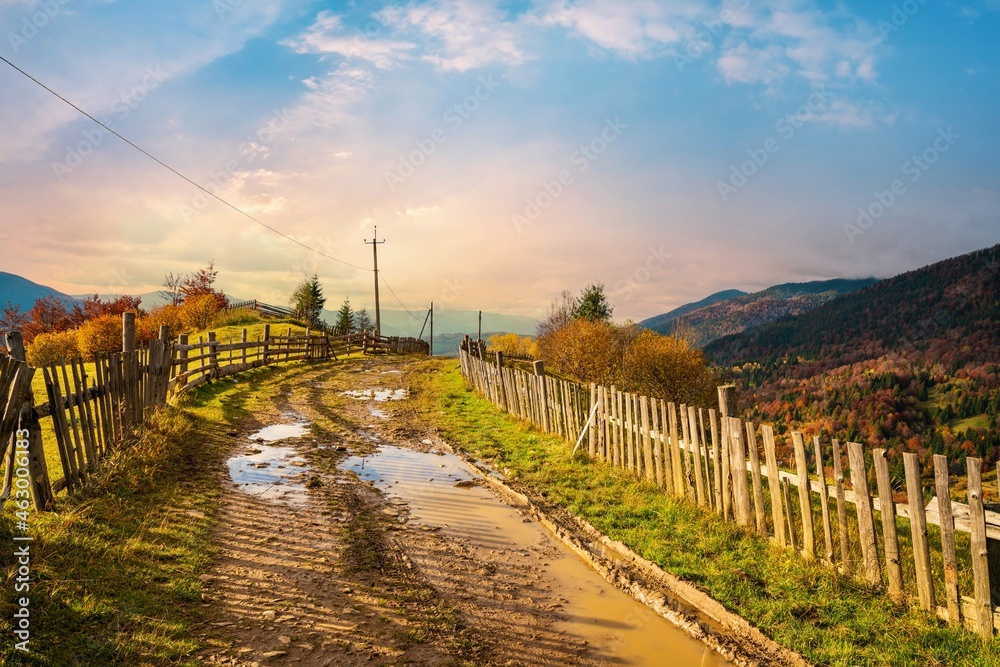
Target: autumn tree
[307,300]
[560,314]
[202,282]
[12,318]
[47,315]
[171,291]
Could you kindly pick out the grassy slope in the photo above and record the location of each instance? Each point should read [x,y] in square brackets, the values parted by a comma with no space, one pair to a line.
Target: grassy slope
[805,606]
[116,569]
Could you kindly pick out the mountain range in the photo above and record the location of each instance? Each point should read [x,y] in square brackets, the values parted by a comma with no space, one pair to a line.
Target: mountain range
[23,293]
[908,363]
[733,311]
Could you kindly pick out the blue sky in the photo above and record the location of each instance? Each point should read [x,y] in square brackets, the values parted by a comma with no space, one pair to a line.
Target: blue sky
[506,151]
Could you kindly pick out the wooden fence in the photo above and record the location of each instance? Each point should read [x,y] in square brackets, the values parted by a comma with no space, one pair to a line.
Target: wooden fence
[94,408]
[932,552]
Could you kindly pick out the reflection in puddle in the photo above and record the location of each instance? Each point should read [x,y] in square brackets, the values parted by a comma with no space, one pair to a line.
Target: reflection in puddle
[615,624]
[277,432]
[379,414]
[274,473]
[380,395]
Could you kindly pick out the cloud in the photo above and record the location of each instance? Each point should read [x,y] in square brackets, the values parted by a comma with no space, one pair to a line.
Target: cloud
[744,64]
[329,99]
[326,35]
[460,34]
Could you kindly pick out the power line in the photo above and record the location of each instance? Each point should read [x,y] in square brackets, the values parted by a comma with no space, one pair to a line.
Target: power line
[382,274]
[171,169]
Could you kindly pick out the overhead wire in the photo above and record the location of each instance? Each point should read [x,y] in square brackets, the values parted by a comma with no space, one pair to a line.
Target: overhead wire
[182,176]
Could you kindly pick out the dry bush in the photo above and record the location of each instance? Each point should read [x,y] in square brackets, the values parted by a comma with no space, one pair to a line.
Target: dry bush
[198,312]
[169,316]
[667,367]
[511,344]
[51,348]
[101,334]
[588,351]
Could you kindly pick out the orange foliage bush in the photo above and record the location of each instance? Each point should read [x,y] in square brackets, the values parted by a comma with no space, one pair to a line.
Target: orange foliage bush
[512,344]
[50,348]
[199,311]
[101,334]
[638,361]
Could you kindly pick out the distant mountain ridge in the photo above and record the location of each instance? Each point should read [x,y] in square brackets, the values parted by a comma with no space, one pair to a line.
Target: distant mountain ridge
[909,363]
[23,292]
[721,314]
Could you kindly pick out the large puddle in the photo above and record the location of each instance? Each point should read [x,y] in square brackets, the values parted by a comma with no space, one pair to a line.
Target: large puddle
[272,472]
[610,620]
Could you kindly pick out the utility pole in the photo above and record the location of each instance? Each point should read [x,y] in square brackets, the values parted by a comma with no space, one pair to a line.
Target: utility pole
[374,243]
[479,337]
[432,329]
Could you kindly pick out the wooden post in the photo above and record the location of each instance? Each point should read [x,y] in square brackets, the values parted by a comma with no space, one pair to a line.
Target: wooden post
[758,487]
[773,483]
[539,369]
[738,459]
[893,568]
[716,460]
[38,472]
[786,495]
[213,357]
[592,429]
[695,444]
[267,343]
[838,478]
[866,519]
[980,566]
[824,501]
[243,340]
[675,451]
[727,408]
[948,556]
[182,362]
[647,441]
[805,503]
[918,529]
[128,333]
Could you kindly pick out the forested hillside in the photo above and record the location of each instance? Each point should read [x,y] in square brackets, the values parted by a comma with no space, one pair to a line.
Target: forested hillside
[910,363]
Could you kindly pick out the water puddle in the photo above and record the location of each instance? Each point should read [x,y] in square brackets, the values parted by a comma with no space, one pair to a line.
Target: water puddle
[378,414]
[278,432]
[380,395]
[269,471]
[440,492]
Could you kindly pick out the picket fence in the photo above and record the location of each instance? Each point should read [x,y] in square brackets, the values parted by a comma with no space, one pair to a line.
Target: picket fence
[714,459]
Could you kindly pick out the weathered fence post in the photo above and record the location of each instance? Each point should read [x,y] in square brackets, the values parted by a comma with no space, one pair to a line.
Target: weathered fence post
[805,503]
[727,408]
[182,362]
[130,364]
[866,519]
[980,566]
[213,356]
[267,343]
[948,555]
[893,566]
[38,473]
[918,531]
[539,369]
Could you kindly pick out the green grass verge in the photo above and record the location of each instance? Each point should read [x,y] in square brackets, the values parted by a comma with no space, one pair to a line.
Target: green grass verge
[805,606]
[114,570]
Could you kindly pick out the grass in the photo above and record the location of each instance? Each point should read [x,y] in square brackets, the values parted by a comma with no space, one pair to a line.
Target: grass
[806,606]
[114,570]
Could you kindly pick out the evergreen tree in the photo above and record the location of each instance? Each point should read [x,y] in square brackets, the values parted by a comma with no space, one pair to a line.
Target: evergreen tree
[345,318]
[308,300]
[362,321]
[592,304]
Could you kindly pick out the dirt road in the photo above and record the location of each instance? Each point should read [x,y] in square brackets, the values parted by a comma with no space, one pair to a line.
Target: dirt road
[346,544]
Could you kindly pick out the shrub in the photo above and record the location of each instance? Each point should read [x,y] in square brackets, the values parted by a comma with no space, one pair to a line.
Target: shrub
[198,312]
[512,344]
[101,334]
[50,348]
[667,367]
[168,315]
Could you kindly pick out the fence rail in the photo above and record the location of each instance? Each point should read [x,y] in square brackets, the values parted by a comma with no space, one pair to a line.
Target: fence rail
[729,466]
[95,408]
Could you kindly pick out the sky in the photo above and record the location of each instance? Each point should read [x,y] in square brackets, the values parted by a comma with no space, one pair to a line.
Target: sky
[505,150]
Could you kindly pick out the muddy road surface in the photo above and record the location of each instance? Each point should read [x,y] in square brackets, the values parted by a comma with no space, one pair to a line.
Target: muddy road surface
[351,534]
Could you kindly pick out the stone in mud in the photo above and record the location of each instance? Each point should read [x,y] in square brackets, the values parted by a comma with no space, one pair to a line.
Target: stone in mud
[464,484]
[274,654]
